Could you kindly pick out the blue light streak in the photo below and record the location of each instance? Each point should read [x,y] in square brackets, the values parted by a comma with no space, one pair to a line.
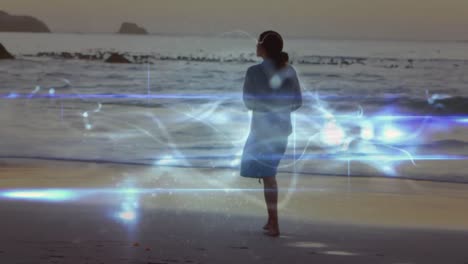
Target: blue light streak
[48,195]
[130,204]
[167,161]
[463,120]
[114,96]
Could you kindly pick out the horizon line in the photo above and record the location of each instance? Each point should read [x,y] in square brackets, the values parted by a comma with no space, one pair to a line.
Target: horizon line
[179,34]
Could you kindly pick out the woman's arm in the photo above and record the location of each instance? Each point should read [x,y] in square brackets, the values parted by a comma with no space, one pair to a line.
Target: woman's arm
[297,94]
[248,91]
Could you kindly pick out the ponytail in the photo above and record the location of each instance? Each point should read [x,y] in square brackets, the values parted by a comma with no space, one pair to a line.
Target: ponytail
[280,60]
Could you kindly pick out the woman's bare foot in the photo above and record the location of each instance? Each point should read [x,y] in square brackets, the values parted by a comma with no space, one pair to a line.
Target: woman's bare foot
[273,231]
[267,225]
[271,228]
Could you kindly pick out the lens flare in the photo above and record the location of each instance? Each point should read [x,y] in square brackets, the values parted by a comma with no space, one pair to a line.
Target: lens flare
[367,131]
[332,134]
[392,134]
[127,215]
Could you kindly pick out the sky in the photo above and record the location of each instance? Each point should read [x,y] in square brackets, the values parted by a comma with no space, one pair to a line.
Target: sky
[348,19]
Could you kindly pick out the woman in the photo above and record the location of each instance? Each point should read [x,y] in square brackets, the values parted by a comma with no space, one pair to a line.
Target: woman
[272,92]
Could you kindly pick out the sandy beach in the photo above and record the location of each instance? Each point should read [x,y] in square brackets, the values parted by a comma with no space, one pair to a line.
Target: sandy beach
[197,216]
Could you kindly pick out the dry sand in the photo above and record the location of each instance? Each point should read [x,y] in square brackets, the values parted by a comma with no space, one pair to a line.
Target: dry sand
[325,220]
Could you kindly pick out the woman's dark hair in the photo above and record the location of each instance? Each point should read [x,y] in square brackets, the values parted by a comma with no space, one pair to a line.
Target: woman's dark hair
[272,42]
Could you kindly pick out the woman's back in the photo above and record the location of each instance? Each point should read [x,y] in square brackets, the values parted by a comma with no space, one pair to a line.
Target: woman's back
[272,94]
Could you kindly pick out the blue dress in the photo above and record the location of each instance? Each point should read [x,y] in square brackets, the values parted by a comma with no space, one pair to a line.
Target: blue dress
[272,95]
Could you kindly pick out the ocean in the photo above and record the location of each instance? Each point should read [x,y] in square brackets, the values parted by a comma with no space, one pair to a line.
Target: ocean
[371,108]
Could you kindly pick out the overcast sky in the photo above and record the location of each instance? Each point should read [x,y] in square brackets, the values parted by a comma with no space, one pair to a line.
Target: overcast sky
[371,19]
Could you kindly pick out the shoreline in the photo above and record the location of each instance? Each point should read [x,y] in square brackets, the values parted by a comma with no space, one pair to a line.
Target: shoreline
[371,201]
[21,159]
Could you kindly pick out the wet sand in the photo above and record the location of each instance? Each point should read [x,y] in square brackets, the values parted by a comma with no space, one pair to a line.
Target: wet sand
[213,216]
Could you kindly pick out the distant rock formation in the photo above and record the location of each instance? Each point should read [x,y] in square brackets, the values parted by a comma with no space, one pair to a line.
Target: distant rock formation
[132,28]
[13,23]
[117,58]
[4,54]
[106,56]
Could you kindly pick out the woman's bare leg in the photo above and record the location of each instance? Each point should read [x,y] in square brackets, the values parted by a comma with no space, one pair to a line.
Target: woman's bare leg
[271,199]
[265,193]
